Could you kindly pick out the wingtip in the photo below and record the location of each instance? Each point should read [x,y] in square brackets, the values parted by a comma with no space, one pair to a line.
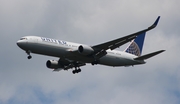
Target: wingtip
[157,20]
[161,51]
[155,23]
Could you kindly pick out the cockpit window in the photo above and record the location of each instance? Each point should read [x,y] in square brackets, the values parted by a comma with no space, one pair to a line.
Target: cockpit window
[23,39]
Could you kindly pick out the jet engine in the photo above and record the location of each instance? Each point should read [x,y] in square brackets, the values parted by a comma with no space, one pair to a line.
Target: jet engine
[53,64]
[85,50]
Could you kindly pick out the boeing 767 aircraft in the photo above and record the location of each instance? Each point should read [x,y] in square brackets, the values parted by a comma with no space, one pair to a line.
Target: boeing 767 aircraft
[75,55]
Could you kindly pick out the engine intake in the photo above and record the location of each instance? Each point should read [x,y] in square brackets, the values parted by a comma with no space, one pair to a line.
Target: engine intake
[53,64]
[85,50]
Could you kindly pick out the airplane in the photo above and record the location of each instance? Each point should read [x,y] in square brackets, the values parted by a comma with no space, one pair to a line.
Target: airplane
[74,55]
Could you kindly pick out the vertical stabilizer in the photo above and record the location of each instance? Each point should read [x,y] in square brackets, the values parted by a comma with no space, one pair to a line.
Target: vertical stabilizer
[136,45]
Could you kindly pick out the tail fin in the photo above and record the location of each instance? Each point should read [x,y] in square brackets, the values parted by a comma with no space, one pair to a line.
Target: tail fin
[136,45]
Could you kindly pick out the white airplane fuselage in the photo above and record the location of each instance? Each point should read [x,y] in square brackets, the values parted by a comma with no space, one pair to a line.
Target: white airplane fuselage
[69,51]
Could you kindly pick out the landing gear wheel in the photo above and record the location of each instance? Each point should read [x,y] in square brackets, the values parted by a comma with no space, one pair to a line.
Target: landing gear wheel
[76,71]
[29,57]
[79,70]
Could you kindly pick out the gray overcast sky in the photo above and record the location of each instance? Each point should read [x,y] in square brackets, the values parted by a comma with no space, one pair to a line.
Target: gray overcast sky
[90,22]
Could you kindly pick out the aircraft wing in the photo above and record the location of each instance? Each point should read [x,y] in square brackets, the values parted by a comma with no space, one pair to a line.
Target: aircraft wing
[100,49]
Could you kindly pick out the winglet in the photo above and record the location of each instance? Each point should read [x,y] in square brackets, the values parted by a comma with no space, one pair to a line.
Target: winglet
[155,23]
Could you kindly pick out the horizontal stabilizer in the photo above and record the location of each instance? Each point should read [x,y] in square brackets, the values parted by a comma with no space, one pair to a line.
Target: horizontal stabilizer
[148,55]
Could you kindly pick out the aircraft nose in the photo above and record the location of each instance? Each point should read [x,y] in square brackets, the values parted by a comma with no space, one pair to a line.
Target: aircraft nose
[21,43]
[18,43]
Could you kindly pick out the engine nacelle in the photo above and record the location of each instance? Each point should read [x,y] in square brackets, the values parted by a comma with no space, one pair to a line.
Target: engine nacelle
[85,50]
[53,64]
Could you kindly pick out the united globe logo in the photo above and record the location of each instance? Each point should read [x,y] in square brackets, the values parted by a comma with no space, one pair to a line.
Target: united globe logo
[134,49]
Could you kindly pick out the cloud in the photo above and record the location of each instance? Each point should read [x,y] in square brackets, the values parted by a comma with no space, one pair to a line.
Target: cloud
[90,22]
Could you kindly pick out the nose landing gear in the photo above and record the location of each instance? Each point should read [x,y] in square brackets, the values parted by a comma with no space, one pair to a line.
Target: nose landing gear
[29,56]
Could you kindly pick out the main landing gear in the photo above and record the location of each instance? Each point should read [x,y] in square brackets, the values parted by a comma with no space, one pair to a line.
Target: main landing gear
[29,56]
[76,70]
